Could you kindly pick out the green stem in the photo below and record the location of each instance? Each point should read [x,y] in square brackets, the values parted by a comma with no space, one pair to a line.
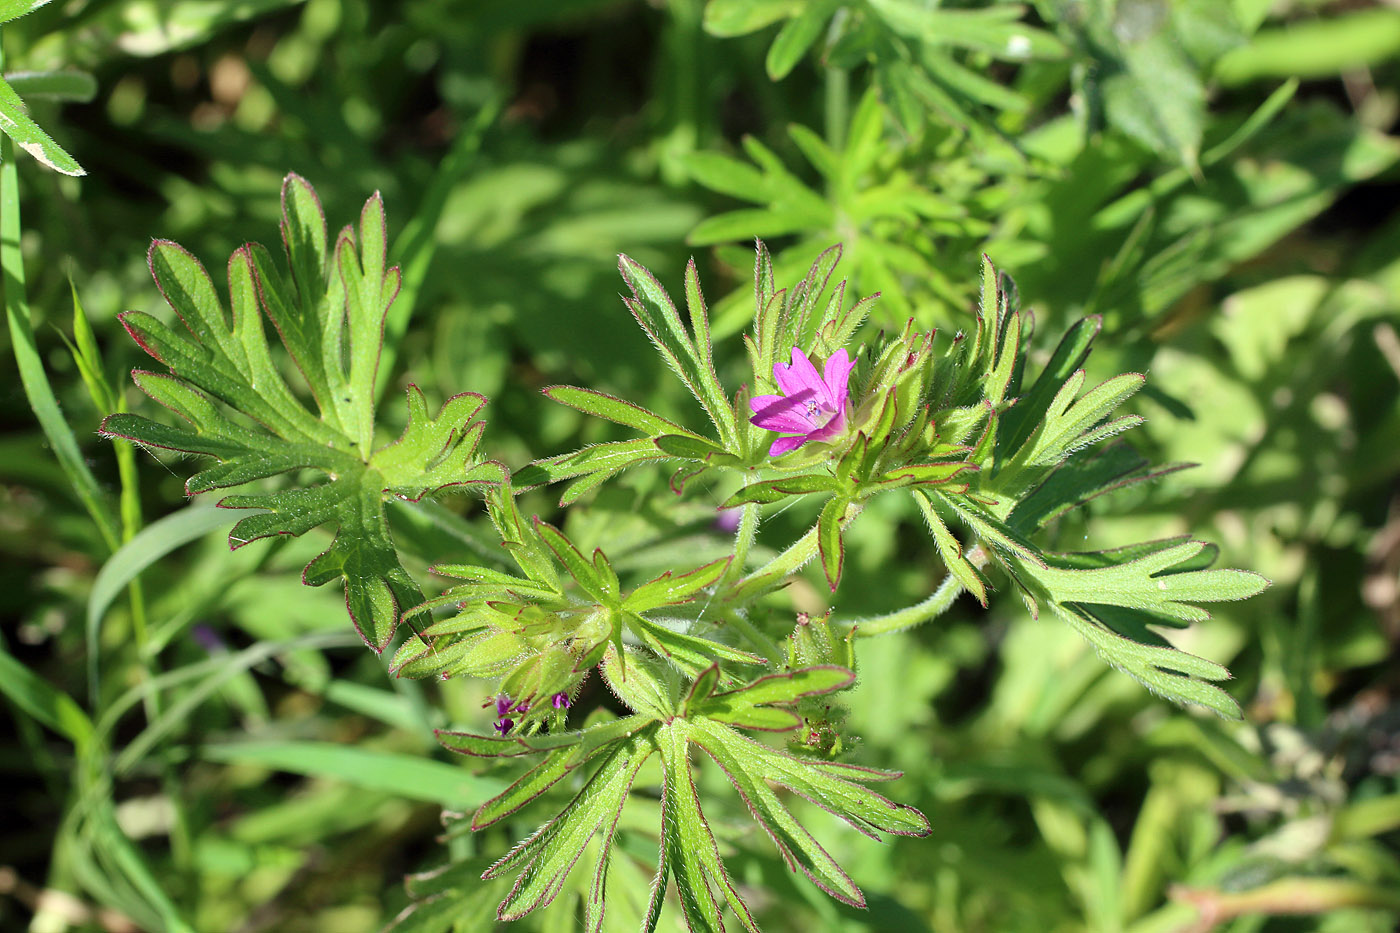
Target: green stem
[1288,897]
[759,639]
[129,504]
[837,90]
[788,562]
[935,605]
[743,544]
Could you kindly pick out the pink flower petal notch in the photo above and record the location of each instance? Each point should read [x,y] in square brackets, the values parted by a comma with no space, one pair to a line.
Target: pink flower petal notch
[812,406]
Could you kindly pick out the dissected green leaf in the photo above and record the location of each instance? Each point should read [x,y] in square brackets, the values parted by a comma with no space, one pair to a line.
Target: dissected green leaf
[448,898]
[655,312]
[613,409]
[775,490]
[1029,410]
[950,550]
[668,726]
[1081,479]
[545,858]
[238,408]
[580,568]
[1071,423]
[1112,597]
[607,458]
[1150,582]
[1174,674]
[1152,92]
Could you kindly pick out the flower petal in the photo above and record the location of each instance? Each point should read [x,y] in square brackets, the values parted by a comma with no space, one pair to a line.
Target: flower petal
[837,372]
[784,444]
[798,375]
[760,402]
[829,430]
[785,414]
[784,423]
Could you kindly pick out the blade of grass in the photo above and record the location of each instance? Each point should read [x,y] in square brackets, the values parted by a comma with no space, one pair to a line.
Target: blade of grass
[31,367]
[405,775]
[392,709]
[220,669]
[413,250]
[152,543]
[107,399]
[44,702]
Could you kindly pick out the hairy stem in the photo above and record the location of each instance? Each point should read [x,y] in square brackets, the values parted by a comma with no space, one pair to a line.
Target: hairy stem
[935,605]
[743,543]
[798,554]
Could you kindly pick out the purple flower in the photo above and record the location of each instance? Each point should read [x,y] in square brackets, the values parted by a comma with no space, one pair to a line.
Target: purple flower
[561,701]
[502,705]
[504,725]
[812,407]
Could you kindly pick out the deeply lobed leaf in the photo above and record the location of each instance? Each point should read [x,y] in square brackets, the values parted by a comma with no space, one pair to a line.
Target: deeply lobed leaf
[240,410]
[667,722]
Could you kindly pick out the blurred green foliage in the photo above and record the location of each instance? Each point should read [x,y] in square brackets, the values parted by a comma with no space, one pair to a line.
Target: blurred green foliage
[1217,179]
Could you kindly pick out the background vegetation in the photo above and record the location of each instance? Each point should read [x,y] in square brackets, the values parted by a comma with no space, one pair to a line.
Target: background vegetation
[208,745]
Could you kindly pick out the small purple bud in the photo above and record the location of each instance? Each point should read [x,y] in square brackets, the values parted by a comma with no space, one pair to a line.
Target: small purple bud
[561,701]
[504,725]
[522,707]
[728,520]
[208,639]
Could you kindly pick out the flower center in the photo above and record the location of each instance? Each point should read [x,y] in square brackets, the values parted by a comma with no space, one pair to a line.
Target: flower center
[818,414]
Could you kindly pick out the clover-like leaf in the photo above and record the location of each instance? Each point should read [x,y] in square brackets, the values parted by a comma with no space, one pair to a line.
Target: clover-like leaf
[239,409]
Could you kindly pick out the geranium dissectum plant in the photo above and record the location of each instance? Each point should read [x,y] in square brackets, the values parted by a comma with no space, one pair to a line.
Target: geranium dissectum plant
[702,657]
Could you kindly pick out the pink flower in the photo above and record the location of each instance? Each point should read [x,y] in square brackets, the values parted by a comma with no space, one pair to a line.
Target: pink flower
[812,407]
